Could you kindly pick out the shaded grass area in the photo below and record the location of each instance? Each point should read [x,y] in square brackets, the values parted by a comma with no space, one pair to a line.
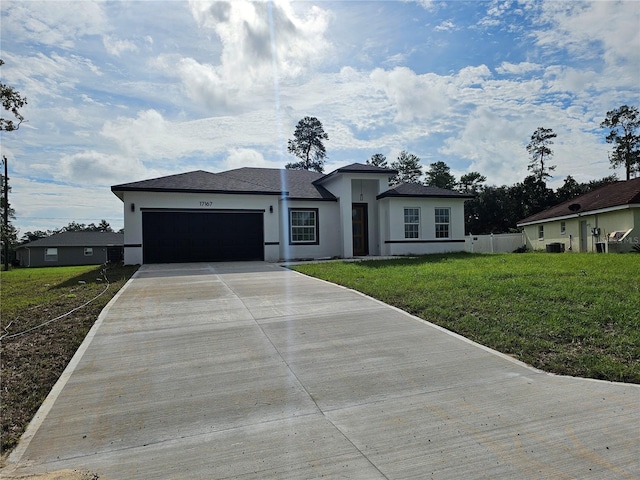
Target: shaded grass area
[31,362]
[570,314]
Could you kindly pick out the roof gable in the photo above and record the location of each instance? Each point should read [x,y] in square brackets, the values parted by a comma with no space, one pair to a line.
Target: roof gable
[419,190]
[358,168]
[609,196]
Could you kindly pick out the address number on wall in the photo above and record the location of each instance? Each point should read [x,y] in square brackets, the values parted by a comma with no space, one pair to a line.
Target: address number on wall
[206,204]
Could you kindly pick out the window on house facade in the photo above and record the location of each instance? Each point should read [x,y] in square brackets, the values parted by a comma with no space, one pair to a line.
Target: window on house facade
[540,232]
[412,222]
[88,251]
[50,254]
[443,220]
[303,226]
[563,228]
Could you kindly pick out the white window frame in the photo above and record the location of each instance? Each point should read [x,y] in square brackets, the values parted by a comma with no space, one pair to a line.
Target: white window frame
[440,223]
[540,232]
[303,234]
[51,254]
[411,218]
[88,251]
[563,228]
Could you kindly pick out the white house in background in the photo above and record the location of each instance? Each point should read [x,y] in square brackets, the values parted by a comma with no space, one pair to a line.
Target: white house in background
[605,219]
[272,215]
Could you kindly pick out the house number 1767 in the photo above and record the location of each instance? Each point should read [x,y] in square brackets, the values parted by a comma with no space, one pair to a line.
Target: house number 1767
[206,204]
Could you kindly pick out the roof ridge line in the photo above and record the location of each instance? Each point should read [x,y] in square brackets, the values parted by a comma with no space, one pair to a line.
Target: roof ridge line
[246,181]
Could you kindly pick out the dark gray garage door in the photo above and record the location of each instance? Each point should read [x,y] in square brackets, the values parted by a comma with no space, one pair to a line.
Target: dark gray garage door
[170,237]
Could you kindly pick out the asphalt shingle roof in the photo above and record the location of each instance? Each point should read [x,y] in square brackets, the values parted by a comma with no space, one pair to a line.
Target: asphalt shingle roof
[246,180]
[78,239]
[417,190]
[358,168]
[295,184]
[612,195]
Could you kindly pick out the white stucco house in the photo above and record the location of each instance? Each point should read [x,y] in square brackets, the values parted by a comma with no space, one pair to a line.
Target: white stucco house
[272,215]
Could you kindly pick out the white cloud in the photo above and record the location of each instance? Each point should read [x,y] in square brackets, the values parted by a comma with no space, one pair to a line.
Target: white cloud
[115,46]
[427,4]
[43,77]
[98,168]
[261,39]
[445,26]
[147,136]
[413,96]
[204,85]
[426,96]
[578,26]
[246,157]
[508,68]
[59,24]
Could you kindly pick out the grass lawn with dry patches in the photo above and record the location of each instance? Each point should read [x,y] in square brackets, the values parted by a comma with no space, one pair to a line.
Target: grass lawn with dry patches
[32,361]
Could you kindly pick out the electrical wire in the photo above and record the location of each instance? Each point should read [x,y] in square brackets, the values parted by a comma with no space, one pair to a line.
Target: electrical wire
[13,335]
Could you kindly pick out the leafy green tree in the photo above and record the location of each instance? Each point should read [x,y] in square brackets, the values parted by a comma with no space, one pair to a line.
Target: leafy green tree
[623,124]
[408,167]
[35,235]
[530,197]
[492,210]
[593,184]
[12,102]
[104,226]
[378,160]
[569,189]
[540,152]
[439,175]
[471,182]
[307,144]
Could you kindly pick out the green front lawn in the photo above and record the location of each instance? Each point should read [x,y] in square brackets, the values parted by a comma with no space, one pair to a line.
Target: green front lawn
[571,314]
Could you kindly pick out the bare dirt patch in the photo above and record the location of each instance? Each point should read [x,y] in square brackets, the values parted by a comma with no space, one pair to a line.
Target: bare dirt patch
[35,352]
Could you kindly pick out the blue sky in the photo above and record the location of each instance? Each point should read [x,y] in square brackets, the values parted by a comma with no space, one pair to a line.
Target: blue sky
[125,91]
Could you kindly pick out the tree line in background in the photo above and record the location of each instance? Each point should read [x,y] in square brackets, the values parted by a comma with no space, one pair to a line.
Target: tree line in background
[102,226]
[493,209]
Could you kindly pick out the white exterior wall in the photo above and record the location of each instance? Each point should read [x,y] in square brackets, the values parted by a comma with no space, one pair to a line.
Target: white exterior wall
[196,201]
[328,225]
[349,186]
[396,244]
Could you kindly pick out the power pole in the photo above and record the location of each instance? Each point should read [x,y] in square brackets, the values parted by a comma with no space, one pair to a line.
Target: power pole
[5,217]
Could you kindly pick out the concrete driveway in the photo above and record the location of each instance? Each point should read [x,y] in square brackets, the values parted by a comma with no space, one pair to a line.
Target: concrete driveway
[251,371]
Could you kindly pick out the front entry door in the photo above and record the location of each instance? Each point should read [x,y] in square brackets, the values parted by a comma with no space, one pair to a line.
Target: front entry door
[360,229]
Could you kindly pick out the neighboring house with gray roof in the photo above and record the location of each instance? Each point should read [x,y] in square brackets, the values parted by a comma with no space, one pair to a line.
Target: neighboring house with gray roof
[72,248]
[271,214]
[605,219]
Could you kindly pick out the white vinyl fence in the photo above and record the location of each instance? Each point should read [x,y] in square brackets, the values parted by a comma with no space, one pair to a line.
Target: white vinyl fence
[500,243]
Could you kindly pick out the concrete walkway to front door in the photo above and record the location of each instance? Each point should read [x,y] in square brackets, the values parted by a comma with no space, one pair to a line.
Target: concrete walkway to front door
[251,371]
